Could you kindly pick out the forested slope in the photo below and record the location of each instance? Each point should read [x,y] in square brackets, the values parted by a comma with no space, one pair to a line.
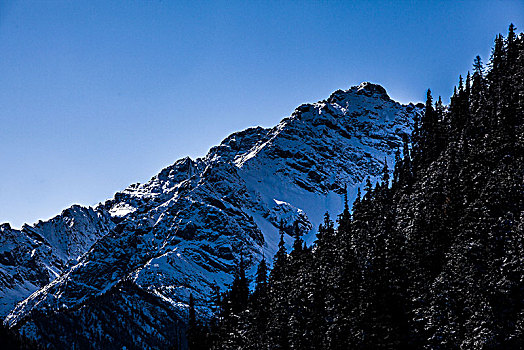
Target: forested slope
[430,258]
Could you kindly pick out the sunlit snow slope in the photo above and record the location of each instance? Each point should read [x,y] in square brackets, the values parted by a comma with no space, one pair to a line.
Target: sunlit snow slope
[184,230]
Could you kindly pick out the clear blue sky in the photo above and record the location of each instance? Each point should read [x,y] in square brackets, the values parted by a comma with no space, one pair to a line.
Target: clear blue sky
[96,95]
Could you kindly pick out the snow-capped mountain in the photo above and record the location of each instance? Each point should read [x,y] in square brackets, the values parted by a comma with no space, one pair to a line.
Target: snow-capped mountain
[32,257]
[184,230]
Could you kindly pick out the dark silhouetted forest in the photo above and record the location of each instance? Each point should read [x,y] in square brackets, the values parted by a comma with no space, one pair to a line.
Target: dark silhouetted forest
[432,257]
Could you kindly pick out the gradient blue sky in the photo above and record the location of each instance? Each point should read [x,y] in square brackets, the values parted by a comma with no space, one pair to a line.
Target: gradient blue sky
[96,95]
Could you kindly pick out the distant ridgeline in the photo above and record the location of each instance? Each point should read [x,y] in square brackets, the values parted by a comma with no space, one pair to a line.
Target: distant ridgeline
[432,258]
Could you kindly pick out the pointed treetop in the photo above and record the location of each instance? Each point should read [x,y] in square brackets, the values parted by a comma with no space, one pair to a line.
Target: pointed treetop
[511,33]
[512,49]
[497,53]
[297,244]
[368,186]
[328,224]
[261,277]
[478,68]
[398,166]
[429,106]
[439,107]
[385,173]
[345,216]
[356,202]
[241,267]
[296,230]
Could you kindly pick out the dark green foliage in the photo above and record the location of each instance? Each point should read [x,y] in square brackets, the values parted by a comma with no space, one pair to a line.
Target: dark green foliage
[434,261]
[10,340]
[197,334]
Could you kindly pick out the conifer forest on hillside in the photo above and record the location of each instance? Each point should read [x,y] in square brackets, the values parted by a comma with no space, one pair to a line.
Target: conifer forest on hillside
[429,258]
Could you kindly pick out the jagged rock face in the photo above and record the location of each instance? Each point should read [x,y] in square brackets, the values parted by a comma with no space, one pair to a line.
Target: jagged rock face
[32,257]
[183,231]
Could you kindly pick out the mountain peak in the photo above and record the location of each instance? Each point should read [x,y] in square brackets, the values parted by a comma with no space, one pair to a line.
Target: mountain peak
[367,88]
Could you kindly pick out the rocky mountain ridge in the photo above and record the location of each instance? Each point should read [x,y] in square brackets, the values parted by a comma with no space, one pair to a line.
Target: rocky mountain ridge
[184,230]
[32,257]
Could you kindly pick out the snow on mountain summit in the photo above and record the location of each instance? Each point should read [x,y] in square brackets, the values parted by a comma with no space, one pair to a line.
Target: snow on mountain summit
[183,231]
[369,89]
